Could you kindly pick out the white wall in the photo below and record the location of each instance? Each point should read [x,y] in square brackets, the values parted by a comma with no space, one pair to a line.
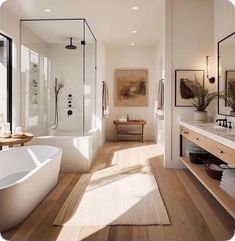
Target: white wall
[190,25]
[66,65]
[130,58]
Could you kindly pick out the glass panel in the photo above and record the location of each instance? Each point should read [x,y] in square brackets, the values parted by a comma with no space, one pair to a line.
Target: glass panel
[52,76]
[90,81]
[5,102]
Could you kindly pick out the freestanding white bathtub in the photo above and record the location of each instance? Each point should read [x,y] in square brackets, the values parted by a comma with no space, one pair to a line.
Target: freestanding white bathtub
[27,175]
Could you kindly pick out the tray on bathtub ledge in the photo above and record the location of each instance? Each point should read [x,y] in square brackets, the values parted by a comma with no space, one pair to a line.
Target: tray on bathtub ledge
[24,135]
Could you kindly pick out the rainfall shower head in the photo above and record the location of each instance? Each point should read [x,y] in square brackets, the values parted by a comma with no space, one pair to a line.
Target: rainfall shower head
[71,46]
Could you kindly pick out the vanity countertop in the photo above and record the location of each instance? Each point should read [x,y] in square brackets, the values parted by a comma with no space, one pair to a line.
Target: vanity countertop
[222,135]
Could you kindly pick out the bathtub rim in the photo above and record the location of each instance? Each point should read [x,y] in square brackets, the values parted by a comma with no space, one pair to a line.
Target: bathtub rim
[50,158]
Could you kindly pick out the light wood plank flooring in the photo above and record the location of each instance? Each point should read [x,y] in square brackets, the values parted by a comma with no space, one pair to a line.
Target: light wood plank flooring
[194,214]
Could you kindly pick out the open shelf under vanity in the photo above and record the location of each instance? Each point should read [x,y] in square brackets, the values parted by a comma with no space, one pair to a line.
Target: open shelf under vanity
[212,185]
[222,151]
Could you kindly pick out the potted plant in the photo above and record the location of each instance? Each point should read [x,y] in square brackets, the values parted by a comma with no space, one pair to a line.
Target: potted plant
[202,99]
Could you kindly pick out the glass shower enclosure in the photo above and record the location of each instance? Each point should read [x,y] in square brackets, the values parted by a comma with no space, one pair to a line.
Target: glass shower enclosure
[58,77]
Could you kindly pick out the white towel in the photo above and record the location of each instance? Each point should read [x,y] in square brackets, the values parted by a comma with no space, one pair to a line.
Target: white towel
[105,99]
[159,103]
[228,190]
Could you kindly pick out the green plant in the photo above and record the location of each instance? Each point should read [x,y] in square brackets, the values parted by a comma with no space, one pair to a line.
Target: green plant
[202,96]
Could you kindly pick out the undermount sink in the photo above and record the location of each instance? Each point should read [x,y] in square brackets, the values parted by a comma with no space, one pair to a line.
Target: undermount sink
[226,133]
[211,125]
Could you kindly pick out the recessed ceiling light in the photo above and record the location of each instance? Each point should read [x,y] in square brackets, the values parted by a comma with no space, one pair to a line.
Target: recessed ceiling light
[132,44]
[135,8]
[134,31]
[47,10]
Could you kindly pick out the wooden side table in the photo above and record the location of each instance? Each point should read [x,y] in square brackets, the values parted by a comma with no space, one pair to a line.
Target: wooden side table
[12,141]
[119,133]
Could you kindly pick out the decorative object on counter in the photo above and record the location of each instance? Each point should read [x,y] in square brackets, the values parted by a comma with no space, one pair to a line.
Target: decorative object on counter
[19,133]
[183,93]
[7,127]
[202,99]
[131,87]
[6,130]
[213,167]
[228,182]
[211,79]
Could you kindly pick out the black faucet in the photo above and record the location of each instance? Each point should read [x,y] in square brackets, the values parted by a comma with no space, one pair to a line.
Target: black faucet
[230,124]
[224,121]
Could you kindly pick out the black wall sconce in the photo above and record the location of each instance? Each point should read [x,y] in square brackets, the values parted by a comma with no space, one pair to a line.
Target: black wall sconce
[211,79]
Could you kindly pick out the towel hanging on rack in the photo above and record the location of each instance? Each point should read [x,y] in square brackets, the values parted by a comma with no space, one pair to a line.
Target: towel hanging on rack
[159,103]
[105,99]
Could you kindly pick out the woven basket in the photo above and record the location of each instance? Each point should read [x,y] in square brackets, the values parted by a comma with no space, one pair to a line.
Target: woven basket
[215,174]
[198,157]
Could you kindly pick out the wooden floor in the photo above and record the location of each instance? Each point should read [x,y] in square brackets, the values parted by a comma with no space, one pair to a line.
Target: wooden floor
[193,212]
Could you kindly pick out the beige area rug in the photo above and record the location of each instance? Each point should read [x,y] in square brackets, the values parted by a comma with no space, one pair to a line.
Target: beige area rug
[117,199]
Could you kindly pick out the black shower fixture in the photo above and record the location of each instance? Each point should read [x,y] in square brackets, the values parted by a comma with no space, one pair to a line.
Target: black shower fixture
[71,46]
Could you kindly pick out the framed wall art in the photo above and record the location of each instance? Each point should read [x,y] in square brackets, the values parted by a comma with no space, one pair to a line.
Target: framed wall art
[131,87]
[183,94]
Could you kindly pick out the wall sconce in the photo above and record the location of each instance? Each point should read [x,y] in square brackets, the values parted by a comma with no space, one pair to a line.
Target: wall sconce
[232,1]
[211,79]
[2,1]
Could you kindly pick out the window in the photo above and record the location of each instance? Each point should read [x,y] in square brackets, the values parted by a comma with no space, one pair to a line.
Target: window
[6,78]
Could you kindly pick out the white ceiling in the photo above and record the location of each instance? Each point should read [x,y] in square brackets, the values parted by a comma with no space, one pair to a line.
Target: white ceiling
[111,20]
[52,32]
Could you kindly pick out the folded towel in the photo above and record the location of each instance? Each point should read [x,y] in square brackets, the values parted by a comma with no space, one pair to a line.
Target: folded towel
[228,191]
[231,187]
[228,183]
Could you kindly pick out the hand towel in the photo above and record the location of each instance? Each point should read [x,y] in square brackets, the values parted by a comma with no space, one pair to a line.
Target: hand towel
[105,99]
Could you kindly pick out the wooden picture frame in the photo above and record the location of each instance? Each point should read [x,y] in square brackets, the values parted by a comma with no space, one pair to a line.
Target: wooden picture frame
[183,94]
[131,87]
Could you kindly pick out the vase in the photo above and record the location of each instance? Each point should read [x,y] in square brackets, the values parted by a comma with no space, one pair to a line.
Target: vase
[200,116]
